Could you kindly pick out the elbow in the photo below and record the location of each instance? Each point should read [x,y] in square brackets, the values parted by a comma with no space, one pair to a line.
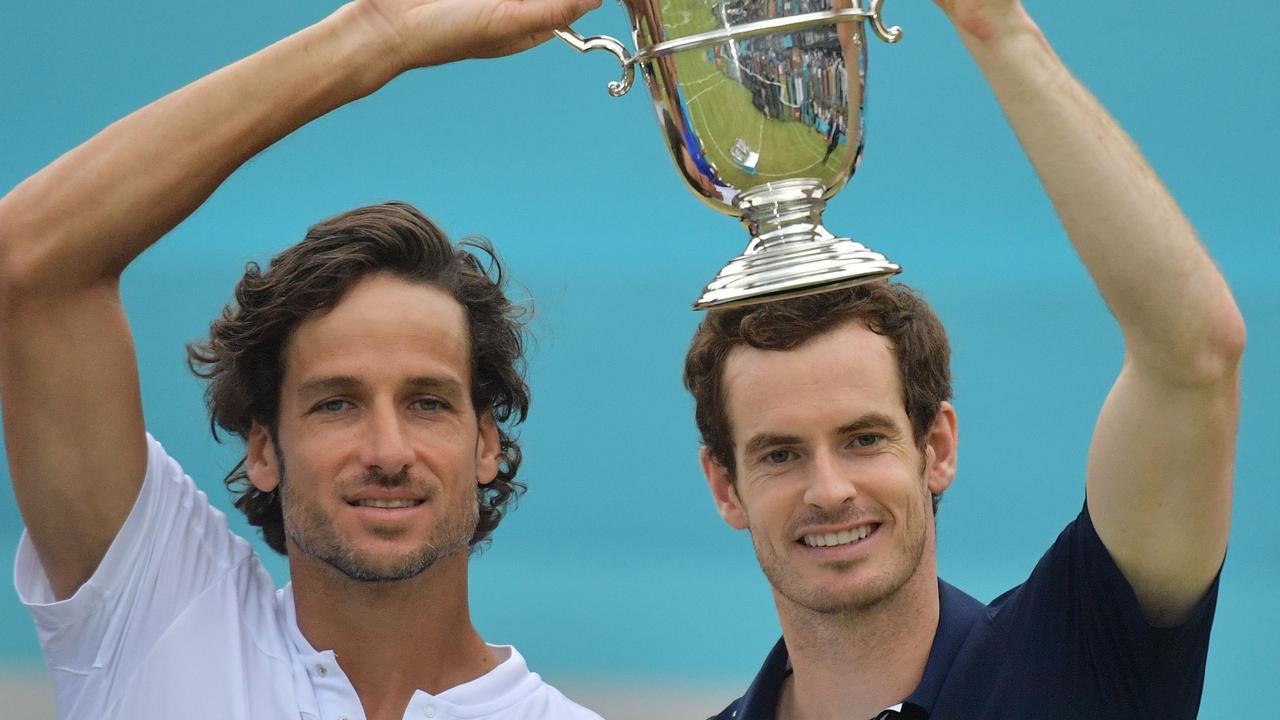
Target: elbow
[1203,349]
[1226,335]
[1231,338]
[19,261]
[12,264]
[9,263]
[36,258]
[1218,352]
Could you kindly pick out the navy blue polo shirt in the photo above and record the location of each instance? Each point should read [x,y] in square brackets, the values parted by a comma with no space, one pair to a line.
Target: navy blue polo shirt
[1068,644]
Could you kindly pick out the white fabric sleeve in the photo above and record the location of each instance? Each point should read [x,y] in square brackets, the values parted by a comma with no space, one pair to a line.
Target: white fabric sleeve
[172,546]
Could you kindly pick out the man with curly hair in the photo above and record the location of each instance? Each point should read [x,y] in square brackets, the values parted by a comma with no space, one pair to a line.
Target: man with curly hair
[372,371]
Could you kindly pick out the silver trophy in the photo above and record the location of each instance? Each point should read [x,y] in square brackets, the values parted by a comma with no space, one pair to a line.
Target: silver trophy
[761,104]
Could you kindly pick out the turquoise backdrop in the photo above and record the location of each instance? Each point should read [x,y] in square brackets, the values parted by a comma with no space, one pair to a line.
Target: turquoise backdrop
[616,567]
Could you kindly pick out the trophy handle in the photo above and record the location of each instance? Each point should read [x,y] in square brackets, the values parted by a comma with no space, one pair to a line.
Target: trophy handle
[890,35]
[617,88]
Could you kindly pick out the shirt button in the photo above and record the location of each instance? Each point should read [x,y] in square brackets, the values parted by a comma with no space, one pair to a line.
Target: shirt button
[429,711]
[321,670]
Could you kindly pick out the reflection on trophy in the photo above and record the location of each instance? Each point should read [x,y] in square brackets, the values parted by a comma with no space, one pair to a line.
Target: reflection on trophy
[761,104]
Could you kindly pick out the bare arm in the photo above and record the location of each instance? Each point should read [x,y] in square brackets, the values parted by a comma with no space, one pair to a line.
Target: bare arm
[1160,464]
[68,377]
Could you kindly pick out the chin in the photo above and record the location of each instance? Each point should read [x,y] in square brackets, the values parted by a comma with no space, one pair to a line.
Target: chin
[828,600]
[837,590]
[384,568]
[375,560]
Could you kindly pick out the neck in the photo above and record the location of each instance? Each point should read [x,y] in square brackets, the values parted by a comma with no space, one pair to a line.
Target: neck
[856,664]
[392,638]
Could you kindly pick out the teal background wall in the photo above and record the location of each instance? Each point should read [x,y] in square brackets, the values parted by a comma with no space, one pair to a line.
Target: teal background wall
[616,567]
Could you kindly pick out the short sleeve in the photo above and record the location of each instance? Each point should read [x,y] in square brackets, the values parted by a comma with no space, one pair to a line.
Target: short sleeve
[172,546]
[1077,635]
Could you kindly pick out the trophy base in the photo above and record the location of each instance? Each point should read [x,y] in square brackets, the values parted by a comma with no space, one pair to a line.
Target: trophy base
[793,268]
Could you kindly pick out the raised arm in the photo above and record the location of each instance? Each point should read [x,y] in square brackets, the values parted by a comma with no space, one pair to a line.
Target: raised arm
[68,376]
[1160,465]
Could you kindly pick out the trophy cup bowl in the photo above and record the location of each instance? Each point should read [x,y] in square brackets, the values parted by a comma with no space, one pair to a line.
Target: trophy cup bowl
[761,105]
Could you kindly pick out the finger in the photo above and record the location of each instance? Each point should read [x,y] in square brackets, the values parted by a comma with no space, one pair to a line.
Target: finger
[542,16]
[524,43]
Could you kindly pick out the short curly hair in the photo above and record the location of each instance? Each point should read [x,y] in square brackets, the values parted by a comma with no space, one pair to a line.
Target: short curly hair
[242,359]
[892,310]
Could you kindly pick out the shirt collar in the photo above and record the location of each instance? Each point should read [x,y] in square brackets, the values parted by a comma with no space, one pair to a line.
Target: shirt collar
[302,655]
[505,684]
[760,702]
[957,613]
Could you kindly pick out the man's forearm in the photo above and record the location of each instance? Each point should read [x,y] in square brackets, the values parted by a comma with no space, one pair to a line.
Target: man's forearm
[1174,306]
[82,219]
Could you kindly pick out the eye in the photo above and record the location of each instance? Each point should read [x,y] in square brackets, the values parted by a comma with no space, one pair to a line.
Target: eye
[429,404]
[332,406]
[778,457]
[867,440]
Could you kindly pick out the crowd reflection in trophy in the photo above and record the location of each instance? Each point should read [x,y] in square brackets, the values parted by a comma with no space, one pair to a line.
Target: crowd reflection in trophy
[792,77]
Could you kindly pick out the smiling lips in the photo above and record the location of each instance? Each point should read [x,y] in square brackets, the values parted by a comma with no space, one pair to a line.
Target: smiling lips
[386,504]
[833,539]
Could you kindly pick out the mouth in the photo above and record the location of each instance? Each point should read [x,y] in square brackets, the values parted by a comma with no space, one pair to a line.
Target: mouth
[386,504]
[838,539]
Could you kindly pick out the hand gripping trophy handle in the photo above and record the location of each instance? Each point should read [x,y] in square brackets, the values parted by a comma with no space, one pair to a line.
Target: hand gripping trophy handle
[763,118]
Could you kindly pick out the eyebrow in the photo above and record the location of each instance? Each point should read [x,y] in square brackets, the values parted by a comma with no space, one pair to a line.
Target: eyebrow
[347,383]
[763,441]
[870,421]
[444,386]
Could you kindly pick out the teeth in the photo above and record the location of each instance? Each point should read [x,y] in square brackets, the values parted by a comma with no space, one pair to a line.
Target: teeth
[844,537]
[386,503]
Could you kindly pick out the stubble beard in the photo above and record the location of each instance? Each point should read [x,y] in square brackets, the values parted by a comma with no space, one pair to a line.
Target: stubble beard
[805,593]
[311,531]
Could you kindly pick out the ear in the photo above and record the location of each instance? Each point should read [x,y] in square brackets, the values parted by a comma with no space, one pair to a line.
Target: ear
[723,491]
[261,459]
[941,446]
[488,449]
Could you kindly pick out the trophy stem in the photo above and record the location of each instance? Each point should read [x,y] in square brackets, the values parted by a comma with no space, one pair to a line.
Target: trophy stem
[791,253]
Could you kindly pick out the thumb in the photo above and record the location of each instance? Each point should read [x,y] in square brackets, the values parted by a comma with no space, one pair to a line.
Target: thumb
[541,16]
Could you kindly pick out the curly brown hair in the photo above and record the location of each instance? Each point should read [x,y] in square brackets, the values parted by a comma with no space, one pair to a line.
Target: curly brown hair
[892,310]
[242,357]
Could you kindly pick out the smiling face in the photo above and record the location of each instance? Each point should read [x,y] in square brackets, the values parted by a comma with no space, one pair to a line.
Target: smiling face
[379,449]
[830,481]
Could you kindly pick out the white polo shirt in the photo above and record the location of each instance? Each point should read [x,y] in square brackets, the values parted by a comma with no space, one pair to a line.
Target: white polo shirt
[181,621]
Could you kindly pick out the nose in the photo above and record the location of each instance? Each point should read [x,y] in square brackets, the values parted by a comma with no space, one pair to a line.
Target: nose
[830,483]
[386,444]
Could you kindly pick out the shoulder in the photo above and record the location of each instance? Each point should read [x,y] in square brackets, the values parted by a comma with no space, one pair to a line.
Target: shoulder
[512,691]
[1063,637]
[563,707]
[175,510]
[548,703]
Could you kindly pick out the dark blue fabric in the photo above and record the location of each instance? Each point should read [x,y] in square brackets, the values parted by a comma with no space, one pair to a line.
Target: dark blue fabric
[1068,644]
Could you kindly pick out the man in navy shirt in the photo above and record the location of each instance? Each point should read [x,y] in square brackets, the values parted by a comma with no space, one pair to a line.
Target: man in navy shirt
[829,436]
